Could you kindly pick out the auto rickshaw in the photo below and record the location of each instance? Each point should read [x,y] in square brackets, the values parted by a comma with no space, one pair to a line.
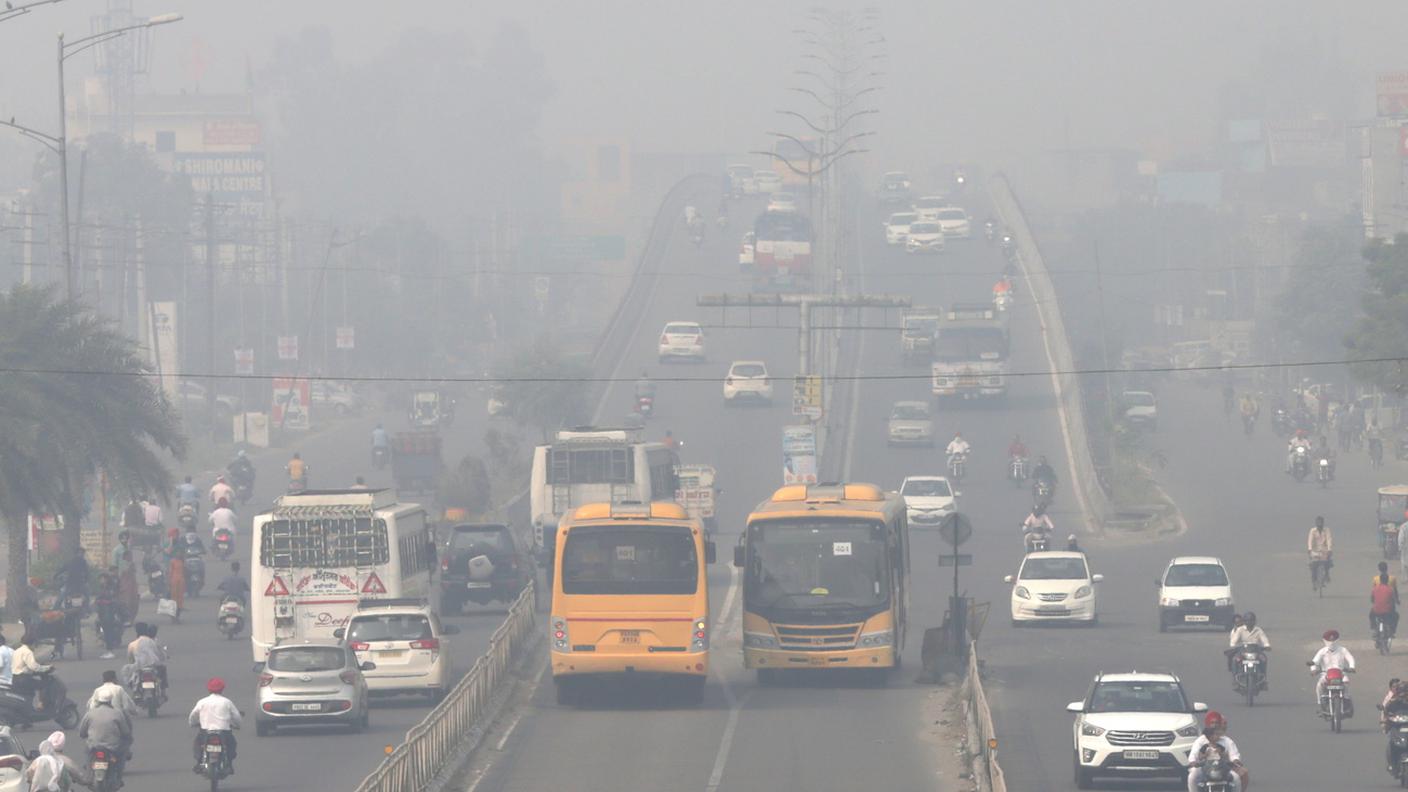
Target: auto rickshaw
[1393,512]
[430,410]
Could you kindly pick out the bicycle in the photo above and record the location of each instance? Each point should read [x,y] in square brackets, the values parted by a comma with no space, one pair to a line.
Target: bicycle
[1319,574]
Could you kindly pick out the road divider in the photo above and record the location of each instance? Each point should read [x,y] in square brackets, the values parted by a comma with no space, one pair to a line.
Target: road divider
[982,737]
[431,745]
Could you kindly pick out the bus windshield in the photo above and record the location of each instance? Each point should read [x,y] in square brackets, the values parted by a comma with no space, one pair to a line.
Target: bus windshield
[817,564]
[971,343]
[630,559]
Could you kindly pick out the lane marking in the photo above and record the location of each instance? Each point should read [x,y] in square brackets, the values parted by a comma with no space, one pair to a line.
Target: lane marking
[856,383]
[735,704]
[508,733]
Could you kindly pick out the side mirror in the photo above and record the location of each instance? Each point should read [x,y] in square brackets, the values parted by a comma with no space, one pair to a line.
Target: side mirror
[1076,706]
[368,666]
[449,629]
[711,553]
[1199,706]
[339,633]
[1097,578]
[1007,579]
[739,558]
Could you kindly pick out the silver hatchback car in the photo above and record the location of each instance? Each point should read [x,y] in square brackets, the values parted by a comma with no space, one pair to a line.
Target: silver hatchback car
[312,682]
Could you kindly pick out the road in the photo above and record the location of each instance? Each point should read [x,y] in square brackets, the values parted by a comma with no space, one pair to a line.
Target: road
[821,734]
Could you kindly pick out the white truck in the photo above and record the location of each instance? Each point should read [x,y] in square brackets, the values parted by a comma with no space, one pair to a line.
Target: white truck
[970,353]
[918,326]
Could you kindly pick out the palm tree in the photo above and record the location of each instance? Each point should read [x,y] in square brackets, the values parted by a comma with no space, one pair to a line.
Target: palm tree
[84,387]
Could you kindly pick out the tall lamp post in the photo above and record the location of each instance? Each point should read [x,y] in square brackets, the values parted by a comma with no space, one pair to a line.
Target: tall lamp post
[10,11]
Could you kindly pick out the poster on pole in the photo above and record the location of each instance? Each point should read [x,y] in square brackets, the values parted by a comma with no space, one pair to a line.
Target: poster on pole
[806,396]
[288,347]
[798,454]
[346,338]
[244,362]
[291,404]
[1391,94]
[164,354]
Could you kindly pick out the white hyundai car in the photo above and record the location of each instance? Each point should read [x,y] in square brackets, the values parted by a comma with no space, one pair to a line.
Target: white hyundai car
[1053,586]
[1135,725]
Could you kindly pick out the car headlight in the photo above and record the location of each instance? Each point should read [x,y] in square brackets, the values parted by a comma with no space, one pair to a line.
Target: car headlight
[756,640]
[1083,592]
[1089,730]
[877,639]
[1168,602]
[1022,593]
[1222,602]
[1191,730]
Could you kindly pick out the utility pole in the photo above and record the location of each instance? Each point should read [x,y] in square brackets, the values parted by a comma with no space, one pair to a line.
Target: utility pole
[210,311]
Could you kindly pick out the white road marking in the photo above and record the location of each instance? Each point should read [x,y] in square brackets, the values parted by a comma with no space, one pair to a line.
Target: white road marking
[508,733]
[856,383]
[732,594]
[735,704]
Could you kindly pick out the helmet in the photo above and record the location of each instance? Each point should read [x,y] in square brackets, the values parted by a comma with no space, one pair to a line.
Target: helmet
[1071,538]
[1331,635]
[1250,619]
[215,685]
[1214,720]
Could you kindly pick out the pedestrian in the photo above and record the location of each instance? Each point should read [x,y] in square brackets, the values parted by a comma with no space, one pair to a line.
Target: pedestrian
[128,595]
[175,552]
[124,544]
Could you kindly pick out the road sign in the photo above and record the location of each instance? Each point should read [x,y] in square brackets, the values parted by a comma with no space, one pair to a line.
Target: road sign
[799,455]
[955,529]
[346,338]
[806,396]
[288,347]
[962,559]
[244,361]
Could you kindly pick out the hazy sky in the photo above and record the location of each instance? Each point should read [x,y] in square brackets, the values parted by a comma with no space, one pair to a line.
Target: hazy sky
[962,81]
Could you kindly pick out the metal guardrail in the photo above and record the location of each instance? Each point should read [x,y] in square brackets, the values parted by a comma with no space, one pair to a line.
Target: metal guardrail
[986,768]
[430,744]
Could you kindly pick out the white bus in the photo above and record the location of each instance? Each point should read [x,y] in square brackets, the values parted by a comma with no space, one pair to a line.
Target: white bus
[316,554]
[584,466]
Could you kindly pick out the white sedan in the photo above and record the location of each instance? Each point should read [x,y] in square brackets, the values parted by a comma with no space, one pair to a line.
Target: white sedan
[1053,586]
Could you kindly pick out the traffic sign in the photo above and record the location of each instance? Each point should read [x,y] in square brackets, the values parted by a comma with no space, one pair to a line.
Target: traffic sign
[806,396]
[958,559]
[955,529]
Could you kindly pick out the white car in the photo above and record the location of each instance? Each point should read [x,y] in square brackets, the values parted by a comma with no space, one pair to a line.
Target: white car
[1194,591]
[1053,586]
[954,221]
[746,250]
[782,202]
[925,236]
[339,397]
[1135,725]
[766,181]
[928,499]
[740,180]
[897,227]
[1141,409]
[194,395]
[911,423]
[928,206]
[405,639]
[682,340]
[748,380]
[14,759]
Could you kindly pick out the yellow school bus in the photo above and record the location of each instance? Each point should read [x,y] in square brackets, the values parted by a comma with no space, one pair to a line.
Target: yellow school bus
[630,597]
[825,580]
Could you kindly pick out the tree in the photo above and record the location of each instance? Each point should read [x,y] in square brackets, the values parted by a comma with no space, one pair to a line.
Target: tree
[1382,330]
[467,487]
[1317,309]
[75,399]
[543,388]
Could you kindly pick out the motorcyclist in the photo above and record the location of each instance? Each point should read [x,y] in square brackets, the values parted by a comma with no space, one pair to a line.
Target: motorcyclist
[145,653]
[27,674]
[223,517]
[1320,547]
[1249,409]
[187,494]
[1383,601]
[1394,703]
[1298,441]
[644,385]
[1214,733]
[133,515]
[221,491]
[235,585]
[297,472]
[218,715]
[1037,524]
[1248,633]
[151,515]
[1044,472]
[1073,544]
[1325,452]
[121,699]
[105,726]
[1331,655]
[241,470]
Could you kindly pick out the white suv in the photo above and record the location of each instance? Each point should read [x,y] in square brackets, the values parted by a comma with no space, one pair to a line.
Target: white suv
[1135,725]
[406,641]
[1194,591]
[748,379]
[682,340]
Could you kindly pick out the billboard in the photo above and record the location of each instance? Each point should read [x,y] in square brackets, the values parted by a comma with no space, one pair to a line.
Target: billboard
[231,132]
[291,403]
[1392,94]
[229,177]
[798,455]
[1305,143]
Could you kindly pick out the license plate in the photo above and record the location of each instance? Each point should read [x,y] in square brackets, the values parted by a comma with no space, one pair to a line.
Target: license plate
[630,636]
[390,654]
[156,575]
[1193,617]
[148,685]
[1051,609]
[215,748]
[1141,754]
[100,765]
[306,707]
[231,619]
[475,584]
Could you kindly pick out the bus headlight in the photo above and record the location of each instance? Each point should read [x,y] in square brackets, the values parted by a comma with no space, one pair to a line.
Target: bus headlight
[757,640]
[876,639]
[700,639]
[559,635]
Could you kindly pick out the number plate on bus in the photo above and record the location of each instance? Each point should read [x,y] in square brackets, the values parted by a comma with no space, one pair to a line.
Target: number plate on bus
[1195,617]
[630,636]
[1141,754]
[306,707]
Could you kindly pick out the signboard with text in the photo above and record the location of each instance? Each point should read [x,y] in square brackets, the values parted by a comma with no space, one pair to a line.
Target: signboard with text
[229,177]
[346,338]
[288,347]
[231,132]
[1391,94]
[244,361]
[799,455]
[291,403]
[806,396]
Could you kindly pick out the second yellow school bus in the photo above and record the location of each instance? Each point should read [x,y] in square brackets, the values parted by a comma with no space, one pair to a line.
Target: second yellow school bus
[630,597]
[825,580]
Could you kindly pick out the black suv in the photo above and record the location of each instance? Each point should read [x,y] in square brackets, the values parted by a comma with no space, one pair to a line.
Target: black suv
[508,569]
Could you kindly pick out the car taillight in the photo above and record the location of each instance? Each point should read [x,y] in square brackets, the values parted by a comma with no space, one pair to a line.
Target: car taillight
[360,646]
[428,643]
[266,680]
[348,677]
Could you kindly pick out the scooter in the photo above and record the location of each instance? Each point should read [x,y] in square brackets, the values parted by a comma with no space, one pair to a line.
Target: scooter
[195,575]
[157,583]
[186,518]
[107,769]
[231,617]
[379,457]
[223,544]
[19,710]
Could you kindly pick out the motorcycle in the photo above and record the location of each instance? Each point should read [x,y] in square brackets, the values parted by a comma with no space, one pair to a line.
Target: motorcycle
[157,583]
[1383,639]
[1018,471]
[213,764]
[223,543]
[231,617]
[379,457]
[1280,422]
[1041,494]
[1038,541]
[1336,705]
[645,405]
[1249,671]
[1396,724]
[244,490]
[1300,464]
[1217,770]
[1002,300]
[957,466]
[106,765]
[147,691]
[19,710]
[186,518]
[1322,473]
[195,575]
[990,230]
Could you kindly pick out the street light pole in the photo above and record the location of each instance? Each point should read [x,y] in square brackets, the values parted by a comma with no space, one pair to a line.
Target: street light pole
[70,278]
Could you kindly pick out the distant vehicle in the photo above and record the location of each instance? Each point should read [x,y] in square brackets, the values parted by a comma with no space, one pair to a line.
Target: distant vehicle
[1135,725]
[828,561]
[630,597]
[417,461]
[506,570]
[745,252]
[1194,591]
[918,328]
[682,340]
[741,181]
[924,236]
[970,353]
[897,227]
[319,553]
[312,682]
[431,409]
[894,188]
[928,206]
[194,396]
[955,223]
[793,155]
[747,380]
[782,202]
[1141,409]
[911,423]
[928,500]
[340,398]
[405,641]
[782,257]
[766,182]
[1053,586]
